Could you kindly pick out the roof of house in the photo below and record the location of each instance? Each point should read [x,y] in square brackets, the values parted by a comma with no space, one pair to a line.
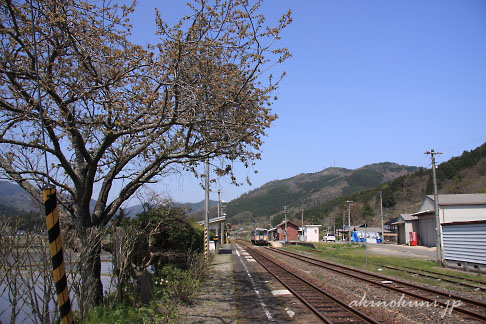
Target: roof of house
[461,199]
[392,221]
[288,223]
[424,212]
[404,218]
[407,217]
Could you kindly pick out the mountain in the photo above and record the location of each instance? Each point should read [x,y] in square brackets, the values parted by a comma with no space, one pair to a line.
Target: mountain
[13,199]
[309,189]
[403,194]
[321,195]
[193,209]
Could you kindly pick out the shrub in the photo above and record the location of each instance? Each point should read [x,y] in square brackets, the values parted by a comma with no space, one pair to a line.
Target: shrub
[176,284]
[122,314]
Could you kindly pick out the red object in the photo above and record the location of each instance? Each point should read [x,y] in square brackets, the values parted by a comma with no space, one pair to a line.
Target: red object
[292,231]
[413,238]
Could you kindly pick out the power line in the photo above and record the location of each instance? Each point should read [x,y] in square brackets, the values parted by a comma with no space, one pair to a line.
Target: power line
[41,111]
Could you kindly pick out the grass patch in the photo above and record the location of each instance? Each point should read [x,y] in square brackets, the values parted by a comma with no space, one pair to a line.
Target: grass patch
[123,314]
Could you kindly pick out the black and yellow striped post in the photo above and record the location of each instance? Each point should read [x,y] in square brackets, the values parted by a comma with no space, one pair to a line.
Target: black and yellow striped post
[55,247]
[206,243]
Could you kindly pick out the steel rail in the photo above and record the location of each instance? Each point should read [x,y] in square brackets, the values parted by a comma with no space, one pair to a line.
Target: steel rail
[447,275]
[432,275]
[261,259]
[329,265]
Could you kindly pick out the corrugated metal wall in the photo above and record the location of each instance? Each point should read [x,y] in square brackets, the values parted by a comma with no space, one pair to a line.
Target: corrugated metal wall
[465,242]
[402,239]
[427,231]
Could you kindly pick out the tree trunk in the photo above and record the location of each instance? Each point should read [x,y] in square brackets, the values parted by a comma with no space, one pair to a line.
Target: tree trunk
[143,288]
[90,271]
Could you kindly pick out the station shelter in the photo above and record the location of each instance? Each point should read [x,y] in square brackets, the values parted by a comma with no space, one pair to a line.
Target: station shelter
[217,224]
[311,233]
[292,231]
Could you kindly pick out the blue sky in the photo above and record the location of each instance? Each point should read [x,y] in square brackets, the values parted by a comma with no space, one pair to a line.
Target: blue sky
[369,81]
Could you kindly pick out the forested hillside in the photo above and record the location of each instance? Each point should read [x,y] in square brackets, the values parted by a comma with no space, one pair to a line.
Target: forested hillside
[463,174]
[15,198]
[322,195]
[308,190]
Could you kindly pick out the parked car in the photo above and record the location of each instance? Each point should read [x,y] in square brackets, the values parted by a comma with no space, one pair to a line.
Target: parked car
[329,238]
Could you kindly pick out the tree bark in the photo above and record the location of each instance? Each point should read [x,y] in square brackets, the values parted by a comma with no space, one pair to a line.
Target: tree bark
[90,271]
[143,288]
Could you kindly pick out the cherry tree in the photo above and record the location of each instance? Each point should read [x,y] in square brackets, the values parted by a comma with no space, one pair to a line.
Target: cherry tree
[86,110]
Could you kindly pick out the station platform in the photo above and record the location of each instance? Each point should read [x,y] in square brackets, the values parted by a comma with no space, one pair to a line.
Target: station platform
[237,290]
[216,301]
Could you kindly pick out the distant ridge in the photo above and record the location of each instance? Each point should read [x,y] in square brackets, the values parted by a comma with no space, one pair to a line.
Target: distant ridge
[307,189]
[322,195]
[192,208]
[15,201]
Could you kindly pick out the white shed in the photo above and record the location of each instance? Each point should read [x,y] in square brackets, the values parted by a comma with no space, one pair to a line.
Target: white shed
[452,208]
[457,207]
[463,228]
[311,233]
[405,223]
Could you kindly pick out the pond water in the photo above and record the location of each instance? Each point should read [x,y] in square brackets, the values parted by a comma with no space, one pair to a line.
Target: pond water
[25,313]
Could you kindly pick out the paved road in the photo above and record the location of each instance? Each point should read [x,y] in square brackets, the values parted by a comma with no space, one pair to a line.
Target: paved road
[421,252]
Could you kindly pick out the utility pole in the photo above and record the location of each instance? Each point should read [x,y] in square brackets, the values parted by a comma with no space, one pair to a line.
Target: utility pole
[206,213]
[437,215]
[381,216]
[219,231]
[366,243]
[285,233]
[219,203]
[349,202]
[302,225]
[342,228]
[221,214]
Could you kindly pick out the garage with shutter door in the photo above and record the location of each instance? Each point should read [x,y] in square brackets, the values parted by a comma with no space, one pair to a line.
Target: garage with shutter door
[464,245]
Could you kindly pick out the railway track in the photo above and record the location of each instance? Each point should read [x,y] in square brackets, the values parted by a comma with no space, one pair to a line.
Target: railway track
[476,285]
[325,306]
[469,307]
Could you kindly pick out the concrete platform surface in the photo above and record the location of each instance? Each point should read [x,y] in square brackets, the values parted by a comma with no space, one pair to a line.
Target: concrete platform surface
[238,290]
[216,301]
